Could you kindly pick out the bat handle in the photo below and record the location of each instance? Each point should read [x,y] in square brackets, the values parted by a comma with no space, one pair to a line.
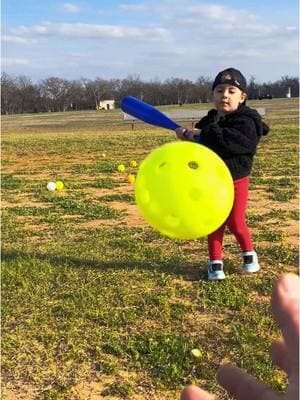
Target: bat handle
[186,132]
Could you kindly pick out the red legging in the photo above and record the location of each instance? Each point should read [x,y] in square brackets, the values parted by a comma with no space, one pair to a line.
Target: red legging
[236,222]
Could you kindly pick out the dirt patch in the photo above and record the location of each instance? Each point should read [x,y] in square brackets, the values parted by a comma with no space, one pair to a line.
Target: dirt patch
[93,390]
[37,227]
[290,229]
[23,202]
[35,165]
[98,222]
[260,202]
[22,393]
[100,192]
[131,216]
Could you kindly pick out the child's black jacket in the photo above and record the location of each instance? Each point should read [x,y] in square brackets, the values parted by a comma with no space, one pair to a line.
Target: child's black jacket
[233,137]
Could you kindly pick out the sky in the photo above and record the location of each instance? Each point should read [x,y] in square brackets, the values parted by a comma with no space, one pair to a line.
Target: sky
[153,40]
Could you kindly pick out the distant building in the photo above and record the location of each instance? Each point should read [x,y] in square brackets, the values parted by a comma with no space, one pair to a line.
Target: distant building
[106,105]
[288,93]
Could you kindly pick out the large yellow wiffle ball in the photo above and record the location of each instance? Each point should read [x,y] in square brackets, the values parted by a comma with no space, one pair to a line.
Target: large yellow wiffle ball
[184,190]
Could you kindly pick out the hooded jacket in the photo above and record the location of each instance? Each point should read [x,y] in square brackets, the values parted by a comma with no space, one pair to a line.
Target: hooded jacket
[234,137]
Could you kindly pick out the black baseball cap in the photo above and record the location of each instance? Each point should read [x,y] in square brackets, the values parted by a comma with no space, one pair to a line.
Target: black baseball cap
[231,76]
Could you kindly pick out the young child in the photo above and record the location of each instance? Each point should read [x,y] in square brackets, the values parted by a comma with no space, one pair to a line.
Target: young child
[233,131]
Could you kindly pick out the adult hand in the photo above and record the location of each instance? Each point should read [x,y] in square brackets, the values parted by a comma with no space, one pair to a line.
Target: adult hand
[285,352]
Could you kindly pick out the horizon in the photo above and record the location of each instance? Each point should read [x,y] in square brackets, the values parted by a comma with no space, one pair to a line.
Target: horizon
[162,81]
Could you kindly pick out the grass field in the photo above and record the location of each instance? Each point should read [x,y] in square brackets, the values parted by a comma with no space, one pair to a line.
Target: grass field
[97,305]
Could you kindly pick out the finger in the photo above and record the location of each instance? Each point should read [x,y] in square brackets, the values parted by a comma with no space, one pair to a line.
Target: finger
[243,386]
[285,305]
[280,357]
[194,393]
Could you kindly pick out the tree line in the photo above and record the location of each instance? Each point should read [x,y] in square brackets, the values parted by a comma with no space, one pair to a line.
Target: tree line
[19,94]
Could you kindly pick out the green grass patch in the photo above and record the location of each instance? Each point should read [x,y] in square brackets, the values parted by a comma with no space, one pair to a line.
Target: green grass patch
[105,183]
[77,203]
[121,389]
[95,168]
[10,182]
[226,294]
[127,198]
[280,254]
[167,358]
[269,236]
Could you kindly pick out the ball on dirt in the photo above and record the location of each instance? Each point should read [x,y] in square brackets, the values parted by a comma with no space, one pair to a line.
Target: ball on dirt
[133,164]
[59,185]
[131,178]
[121,168]
[51,186]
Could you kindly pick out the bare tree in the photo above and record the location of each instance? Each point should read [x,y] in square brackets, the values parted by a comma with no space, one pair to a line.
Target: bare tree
[8,94]
[55,93]
[20,94]
[253,90]
[204,89]
[133,86]
[293,83]
[98,89]
[28,94]
[76,96]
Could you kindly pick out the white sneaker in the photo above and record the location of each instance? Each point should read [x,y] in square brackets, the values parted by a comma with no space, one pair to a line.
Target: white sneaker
[251,264]
[215,270]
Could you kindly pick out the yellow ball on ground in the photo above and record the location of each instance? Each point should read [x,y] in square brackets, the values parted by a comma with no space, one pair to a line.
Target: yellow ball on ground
[103,155]
[184,190]
[59,185]
[197,353]
[133,164]
[121,168]
[131,178]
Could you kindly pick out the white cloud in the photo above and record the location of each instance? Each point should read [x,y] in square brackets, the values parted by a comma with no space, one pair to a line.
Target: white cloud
[92,31]
[244,52]
[71,8]
[217,20]
[209,19]
[17,39]
[167,54]
[10,61]
[219,13]
[135,7]
[291,28]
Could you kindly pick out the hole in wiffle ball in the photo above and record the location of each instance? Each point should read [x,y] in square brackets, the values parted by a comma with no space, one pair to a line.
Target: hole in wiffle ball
[162,164]
[193,164]
[172,221]
[196,194]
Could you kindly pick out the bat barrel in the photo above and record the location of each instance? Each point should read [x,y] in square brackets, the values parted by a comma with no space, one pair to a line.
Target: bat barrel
[147,113]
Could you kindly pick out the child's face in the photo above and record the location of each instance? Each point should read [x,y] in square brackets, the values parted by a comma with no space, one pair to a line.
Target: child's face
[227,98]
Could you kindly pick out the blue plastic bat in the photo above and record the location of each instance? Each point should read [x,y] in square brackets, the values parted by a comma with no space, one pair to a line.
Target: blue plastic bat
[147,113]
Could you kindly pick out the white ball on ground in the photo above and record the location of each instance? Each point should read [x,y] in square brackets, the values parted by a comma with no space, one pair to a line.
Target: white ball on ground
[51,186]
